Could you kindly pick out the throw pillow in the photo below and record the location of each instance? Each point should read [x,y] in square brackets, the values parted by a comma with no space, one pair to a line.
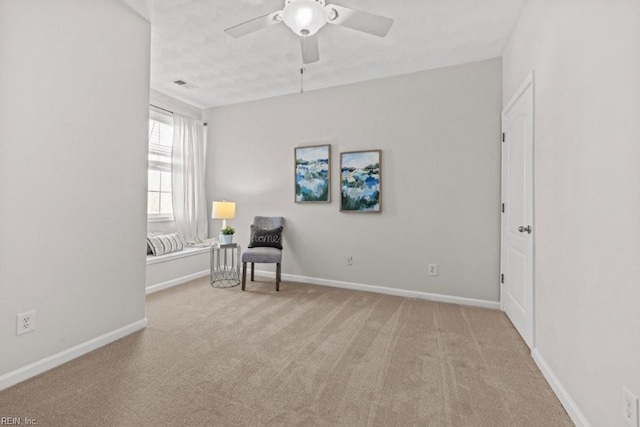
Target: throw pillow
[152,233]
[266,237]
[164,244]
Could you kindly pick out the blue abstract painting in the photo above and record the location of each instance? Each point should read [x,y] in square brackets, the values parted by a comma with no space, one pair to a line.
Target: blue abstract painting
[360,181]
[313,174]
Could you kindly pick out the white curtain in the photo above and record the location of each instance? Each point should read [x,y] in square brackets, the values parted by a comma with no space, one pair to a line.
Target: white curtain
[187,179]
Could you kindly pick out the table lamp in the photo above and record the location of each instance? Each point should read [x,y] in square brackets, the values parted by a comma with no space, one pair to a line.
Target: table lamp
[223,210]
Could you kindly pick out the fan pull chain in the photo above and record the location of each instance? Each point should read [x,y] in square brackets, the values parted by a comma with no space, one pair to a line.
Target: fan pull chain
[301,80]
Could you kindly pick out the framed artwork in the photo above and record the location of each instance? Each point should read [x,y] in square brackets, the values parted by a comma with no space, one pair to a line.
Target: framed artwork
[313,174]
[361,181]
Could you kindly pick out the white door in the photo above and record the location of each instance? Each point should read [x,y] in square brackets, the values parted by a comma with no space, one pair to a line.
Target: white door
[516,292]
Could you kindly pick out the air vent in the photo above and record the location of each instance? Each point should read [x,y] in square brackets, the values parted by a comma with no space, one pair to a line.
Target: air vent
[185,84]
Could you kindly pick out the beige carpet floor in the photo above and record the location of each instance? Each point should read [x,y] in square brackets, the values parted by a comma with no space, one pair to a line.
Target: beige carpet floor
[307,356]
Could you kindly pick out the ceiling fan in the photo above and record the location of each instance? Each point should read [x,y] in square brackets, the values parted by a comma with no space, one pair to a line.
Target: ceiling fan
[306,17]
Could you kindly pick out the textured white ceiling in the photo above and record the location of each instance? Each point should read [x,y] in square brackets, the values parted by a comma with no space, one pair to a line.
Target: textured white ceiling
[187,42]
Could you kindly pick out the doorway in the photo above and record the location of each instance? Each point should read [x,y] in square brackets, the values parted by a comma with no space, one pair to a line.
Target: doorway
[517,229]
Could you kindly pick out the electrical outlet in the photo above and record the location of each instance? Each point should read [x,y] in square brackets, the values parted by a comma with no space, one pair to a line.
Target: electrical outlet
[349,260]
[433,270]
[25,322]
[629,407]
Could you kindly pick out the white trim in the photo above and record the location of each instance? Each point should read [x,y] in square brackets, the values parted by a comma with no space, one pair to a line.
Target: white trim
[157,165]
[563,395]
[450,299]
[50,362]
[180,280]
[160,218]
[189,251]
[528,81]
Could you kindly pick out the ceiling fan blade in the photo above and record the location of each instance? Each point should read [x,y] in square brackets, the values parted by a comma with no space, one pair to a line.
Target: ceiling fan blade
[254,24]
[310,51]
[359,20]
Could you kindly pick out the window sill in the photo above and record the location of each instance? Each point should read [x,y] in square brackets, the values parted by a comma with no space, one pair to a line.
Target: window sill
[160,219]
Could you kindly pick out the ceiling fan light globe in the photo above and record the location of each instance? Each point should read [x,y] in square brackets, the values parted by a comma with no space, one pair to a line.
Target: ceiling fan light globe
[332,14]
[305,17]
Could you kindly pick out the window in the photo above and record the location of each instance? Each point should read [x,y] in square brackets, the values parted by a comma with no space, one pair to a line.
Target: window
[159,205]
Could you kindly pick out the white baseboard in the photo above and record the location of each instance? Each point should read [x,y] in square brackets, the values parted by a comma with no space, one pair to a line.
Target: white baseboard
[36,368]
[384,290]
[569,404]
[180,280]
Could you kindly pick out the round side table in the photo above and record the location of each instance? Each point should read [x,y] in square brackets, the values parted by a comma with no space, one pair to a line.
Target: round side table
[225,265]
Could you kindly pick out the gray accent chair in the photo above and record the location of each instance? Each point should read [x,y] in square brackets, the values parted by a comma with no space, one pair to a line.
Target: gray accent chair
[263,255]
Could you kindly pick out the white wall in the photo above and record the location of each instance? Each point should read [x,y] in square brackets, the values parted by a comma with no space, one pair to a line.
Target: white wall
[161,275]
[586,57]
[439,134]
[167,102]
[74,85]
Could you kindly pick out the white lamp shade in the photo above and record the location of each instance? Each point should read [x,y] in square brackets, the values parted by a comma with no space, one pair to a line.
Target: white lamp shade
[223,210]
[305,17]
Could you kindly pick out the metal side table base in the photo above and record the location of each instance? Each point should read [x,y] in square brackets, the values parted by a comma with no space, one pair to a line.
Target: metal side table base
[225,265]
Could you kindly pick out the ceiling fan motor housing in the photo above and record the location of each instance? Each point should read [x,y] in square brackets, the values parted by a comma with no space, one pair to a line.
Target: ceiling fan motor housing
[305,17]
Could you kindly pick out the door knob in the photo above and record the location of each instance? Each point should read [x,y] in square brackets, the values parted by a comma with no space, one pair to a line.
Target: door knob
[522,229]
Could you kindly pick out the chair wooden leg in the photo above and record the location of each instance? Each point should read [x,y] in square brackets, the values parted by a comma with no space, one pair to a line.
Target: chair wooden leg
[252,266]
[244,274]
[278,277]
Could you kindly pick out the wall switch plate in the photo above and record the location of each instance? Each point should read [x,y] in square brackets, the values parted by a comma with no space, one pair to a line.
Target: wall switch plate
[629,407]
[433,270]
[25,322]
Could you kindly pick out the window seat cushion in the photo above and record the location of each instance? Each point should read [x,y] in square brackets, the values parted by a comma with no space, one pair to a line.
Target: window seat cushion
[188,251]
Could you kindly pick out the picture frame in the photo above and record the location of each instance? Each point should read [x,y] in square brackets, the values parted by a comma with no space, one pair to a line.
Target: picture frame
[312,174]
[361,181]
